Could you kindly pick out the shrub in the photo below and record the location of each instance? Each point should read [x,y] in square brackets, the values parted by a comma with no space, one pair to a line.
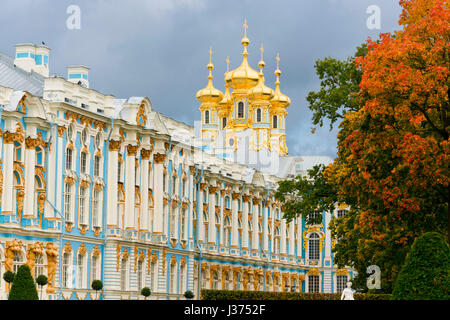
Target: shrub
[145,292]
[97,285]
[426,272]
[41,280]
[188,294]
[262,295]
[8,276]
[23,287]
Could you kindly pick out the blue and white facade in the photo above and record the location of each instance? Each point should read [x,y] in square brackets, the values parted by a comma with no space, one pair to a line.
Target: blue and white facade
[96,187]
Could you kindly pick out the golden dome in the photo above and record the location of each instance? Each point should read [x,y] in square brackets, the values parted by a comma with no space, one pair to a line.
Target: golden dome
[261,91]
[244,77]
[279,99]
[209,93]
[227,100]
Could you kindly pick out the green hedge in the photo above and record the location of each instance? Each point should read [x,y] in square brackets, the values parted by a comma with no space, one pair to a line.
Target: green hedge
[426,272]
[262,295]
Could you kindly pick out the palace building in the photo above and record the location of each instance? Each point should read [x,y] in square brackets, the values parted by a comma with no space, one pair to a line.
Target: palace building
[94,187]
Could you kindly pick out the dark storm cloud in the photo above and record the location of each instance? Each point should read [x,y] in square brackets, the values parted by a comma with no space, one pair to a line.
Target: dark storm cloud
[160,49]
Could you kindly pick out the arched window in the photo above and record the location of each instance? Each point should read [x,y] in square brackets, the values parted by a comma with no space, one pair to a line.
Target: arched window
[216,281]
[18,260]
[17,151]
[313,246]
[183,225]
[95,208]
[84,136]
[68,201]
[136,173]
[227,281]
[94,268]
[83,162]
[275,122]
[164,182]
[314,218]
[341,213]
[69,159]
[226,232]
[39,156]
[140,278]
[80,271]
[204,279]
[173,278]
[153,276]
[205,227]
[313,283]
[206,116]
[174,184]
[341,283]
[227,202]
[39,266]
[123,274]
[240,109]
[182,278]
[66,264]
[258,115]
[173,218]
[82,208]
[276,242]
[224,122]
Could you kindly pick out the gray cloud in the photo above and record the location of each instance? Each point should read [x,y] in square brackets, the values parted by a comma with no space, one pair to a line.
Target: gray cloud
[159,49]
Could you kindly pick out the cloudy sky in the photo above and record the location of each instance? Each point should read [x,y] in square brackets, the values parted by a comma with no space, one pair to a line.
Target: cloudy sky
[159,48]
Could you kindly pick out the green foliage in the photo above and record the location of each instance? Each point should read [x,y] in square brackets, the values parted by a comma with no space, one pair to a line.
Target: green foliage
[188,294]
[305,195]
[426,272]
[23,287]
[146,292]
[338,88]
[8,276]
[262,295]
[97,285]
[41,280]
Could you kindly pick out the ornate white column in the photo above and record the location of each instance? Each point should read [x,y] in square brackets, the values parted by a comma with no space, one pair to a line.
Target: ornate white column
[51,174]
[158,192]
[144,218]
[283,237]
[30,163]
[113,160]
[212,215]
[245,200]
[327,237]
[200,223]
[255,233]
[234,220]
[60,155]
[299,237]
[265,225]
[191,187]
[291,238]
[130,186]
[8,168]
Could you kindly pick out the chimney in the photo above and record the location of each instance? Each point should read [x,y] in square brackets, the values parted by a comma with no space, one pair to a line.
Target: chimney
[30,57]
[79,75]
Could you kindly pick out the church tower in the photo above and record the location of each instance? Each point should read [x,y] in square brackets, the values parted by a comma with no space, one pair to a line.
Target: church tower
[248,120]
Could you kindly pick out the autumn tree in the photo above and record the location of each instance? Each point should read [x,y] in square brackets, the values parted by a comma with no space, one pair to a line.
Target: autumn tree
[392,167]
